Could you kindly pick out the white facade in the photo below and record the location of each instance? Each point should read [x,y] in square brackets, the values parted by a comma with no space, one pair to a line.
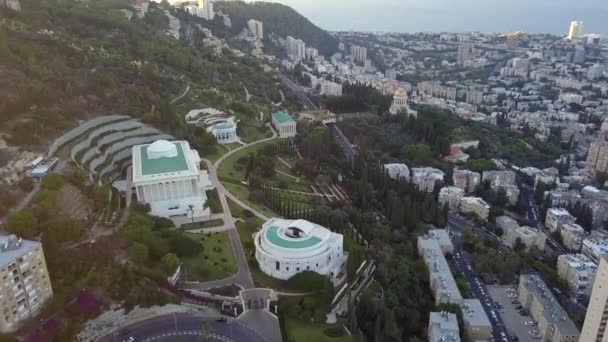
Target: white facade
[400,103]
[528,236]
[256,28]
[331,88]
[224,133]
[556,218]
[295,48]
[578,271]
[397,170]
[475,205]
[425,178]
[451,196]
[443,327]
[285,125]
[594,247]
[285,248]
[166,175]
[573,236]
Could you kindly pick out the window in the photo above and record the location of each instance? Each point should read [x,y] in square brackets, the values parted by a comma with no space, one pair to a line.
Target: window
[277,265]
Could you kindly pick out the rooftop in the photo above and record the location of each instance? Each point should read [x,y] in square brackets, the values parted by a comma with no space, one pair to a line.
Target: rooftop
[474,314]
[12,247]
[476,200]
[560,212]
[164,164]
[444,327]
[552,311]
[282,117]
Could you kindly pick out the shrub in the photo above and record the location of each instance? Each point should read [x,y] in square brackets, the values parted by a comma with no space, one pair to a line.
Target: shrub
[334,331]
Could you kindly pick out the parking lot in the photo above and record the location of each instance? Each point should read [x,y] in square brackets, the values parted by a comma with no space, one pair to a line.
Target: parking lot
[514,321]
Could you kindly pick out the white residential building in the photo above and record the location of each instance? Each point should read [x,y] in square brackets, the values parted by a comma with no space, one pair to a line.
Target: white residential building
[556,218]
[442,282]
[167,176]
[450,196]
[578,271]
[25,285]
[256,28]
[284,124]
[573,236]
[475,205]
[359,54]
[285,248]
[295,48]
[594,247]
[477,325]
[397,170]
[528,236]
[554,325]
[425,178]
[331,88]
[443,327]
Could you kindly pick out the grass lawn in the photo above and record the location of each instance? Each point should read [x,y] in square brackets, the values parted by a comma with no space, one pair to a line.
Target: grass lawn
[219,151]
[216,260]
[242,192]
[299,331]
[249,134]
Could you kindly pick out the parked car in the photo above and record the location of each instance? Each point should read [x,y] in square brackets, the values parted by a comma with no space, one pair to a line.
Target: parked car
[529,323]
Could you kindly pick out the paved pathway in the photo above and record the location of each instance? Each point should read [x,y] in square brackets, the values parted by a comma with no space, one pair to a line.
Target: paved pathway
[243,276]
[182,95]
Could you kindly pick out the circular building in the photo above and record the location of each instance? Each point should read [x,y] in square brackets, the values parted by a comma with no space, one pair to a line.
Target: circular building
[224,132]
[287,247]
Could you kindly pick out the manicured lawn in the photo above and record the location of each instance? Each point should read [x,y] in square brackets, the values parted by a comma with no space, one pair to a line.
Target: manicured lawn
[215,261]
[299,331]
[242,192]
[249,134]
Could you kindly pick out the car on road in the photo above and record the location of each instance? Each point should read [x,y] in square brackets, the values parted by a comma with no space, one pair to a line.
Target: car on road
[528,323]
[512,295]
[130,339]
[221,320]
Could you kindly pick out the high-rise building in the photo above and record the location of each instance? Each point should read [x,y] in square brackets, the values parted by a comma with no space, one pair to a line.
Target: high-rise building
[359,53]
[465,52]
[595,71]
[578,57]
[597,156]
[25,284]
[256,28]
[576,29]
[295,48]
[596,320]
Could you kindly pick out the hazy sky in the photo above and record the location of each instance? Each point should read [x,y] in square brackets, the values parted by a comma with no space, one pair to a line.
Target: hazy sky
[551,16]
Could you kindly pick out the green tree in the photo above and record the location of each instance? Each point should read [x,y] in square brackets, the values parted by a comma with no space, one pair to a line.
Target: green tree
[417,153]
[52,181]
[170,262]
[23,223]
[63,228]
[139,252]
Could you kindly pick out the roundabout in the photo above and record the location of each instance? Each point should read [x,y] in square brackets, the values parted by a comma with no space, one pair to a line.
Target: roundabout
[184,328]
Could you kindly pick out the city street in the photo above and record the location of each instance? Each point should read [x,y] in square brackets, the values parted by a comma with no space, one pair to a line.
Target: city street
[184,328]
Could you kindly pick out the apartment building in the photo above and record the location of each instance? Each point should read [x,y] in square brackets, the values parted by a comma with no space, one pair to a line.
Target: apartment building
[578,271]
[528,236]
[25,284]
[450,196]
[475,205]
[573,236]
[556,218]
[595,246]
[477,326]
[554,325]
[443,327]
[596,320]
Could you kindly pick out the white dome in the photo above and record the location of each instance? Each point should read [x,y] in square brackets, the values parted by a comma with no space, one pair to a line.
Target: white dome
[161,148]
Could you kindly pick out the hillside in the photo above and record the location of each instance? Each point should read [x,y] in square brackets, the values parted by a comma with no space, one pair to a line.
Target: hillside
[280,20]
[64,60]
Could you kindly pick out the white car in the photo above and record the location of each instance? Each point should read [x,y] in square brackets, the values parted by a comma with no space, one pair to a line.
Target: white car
[529,323]
[512,295]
